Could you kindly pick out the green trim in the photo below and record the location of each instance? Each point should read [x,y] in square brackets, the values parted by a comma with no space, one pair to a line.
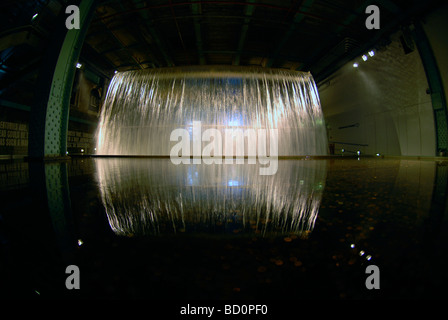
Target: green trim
[49,115]
[437,92]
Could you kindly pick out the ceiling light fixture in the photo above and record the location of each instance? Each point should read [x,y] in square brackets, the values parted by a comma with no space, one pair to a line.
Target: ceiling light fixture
[364,57]
[355,65]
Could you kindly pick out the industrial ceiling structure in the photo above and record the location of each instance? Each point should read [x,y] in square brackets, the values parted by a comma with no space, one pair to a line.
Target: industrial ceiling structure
[308,35]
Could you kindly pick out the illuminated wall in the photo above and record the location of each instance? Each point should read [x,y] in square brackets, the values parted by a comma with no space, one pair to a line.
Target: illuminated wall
[381,106]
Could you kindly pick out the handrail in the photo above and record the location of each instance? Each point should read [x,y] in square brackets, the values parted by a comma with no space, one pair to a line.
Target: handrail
[350,144]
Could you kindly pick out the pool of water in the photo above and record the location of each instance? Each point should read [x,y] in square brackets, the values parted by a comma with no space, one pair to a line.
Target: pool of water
[145,228]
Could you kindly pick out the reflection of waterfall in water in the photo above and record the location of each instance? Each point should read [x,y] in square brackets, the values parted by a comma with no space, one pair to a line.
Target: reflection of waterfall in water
[143,107]
[153,196]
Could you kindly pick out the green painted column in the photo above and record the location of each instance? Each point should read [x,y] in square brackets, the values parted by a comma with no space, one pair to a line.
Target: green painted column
[437,92]
[50,111]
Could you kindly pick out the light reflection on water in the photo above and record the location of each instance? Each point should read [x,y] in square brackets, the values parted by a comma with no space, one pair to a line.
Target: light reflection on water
[154,196]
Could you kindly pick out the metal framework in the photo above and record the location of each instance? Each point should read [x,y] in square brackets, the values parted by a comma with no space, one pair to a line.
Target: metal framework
[437,92]
[49,114]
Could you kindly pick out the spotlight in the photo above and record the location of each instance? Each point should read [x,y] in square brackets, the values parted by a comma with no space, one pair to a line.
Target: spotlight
[78,65]
[364,57]
[371,53]
[355,65]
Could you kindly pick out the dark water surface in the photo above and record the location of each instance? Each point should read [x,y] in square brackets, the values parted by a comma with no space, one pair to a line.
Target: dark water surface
[145,228]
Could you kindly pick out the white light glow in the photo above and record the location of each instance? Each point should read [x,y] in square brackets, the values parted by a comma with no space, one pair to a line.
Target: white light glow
[234,122]
[355,65]
[233,183]
[371,53]
[34,16]
[78,65]
[364,57]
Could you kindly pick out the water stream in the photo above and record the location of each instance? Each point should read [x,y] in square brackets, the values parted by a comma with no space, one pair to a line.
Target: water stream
[142,109]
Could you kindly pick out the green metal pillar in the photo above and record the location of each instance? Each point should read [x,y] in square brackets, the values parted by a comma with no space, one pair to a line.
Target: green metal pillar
[437,92]
[49,113]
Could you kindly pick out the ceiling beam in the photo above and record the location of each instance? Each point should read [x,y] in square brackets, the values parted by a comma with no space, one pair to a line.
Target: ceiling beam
[150,25]
[122,46]
[97,61]
[411,12]
[196,9]
[320,51]
[299,16]
[248,12]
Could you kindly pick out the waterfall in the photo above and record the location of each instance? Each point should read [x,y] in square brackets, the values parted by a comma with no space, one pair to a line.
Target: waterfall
[197,116]
[142,108]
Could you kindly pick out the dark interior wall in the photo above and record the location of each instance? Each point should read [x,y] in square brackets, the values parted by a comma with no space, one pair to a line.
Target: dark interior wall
[87,94]
[13,130]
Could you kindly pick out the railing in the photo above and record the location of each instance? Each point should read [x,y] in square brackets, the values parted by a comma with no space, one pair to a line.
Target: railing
[342,150]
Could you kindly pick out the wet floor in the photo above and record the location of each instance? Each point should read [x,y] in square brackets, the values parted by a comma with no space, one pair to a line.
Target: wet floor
[145,228]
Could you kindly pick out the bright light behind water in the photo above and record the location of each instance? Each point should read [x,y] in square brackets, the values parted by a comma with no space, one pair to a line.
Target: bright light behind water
[143,107]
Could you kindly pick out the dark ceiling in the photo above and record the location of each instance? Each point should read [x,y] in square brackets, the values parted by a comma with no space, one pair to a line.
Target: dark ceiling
[317,36]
